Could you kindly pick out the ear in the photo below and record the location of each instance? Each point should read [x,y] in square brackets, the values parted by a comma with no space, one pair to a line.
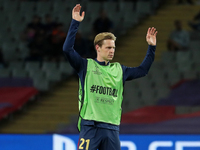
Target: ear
[97,47]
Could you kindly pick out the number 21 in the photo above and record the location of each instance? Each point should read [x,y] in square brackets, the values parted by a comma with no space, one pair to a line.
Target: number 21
[82,140]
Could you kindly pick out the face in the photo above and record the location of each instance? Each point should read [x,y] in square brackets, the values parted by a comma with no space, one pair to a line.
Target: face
[106,51]
[178,25]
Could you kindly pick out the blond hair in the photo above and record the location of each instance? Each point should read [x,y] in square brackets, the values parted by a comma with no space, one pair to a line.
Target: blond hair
[99,38]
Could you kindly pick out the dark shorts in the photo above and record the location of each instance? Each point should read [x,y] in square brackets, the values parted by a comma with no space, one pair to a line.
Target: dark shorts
[93,138]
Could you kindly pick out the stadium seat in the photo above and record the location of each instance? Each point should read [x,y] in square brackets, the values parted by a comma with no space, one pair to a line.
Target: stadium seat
[3,18]
[161,91]
[51,70]
[130,19]
[40,81]
[168,57]
[65,68]
[48,66]
[36,74]
[7,38]
[16,30]
[19,73]
[10,6]
[85,28]
[16,65]
[132,99]
[32,66]
[173,76]
[23,50]
[182,109]
[126,7]
[59,7]
[26,7]
[27,17]
[195,56]
[53,75]
[156,73]
[190,74]
[148,96]
[143,8]
[43,7]
[194,45]
[143,82]
[194,109]
[5,73]
[65,18]
[94,7]
[109,6]
[41,84]
[147,90]
[196,67]
[9,49]
[183,60]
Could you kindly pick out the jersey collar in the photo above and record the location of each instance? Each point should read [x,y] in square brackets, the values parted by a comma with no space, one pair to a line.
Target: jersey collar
[103,63]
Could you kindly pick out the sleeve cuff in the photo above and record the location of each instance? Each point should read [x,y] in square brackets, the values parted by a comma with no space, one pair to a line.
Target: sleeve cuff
[74,21]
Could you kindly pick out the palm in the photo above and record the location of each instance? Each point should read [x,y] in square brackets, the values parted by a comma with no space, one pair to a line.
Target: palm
[76,13]
[151,36]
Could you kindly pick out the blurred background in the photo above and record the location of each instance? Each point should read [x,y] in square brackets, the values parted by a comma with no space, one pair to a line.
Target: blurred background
[39,89]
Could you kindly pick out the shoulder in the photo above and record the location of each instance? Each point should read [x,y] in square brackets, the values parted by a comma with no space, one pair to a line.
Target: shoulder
[116,64]
[90,60]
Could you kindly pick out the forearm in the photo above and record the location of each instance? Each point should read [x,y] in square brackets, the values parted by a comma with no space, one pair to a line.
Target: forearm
[149,58]
[130,73]
[70,39]
[68,47]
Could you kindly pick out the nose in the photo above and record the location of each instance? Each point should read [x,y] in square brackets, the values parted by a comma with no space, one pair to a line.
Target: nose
[112,50]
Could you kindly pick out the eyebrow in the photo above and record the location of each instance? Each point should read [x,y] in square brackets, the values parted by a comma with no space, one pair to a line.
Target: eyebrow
[111,46]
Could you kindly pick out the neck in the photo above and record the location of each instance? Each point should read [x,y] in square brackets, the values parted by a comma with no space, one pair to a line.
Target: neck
[101,60]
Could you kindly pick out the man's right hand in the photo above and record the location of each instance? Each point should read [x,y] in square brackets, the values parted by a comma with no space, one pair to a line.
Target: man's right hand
[76,13]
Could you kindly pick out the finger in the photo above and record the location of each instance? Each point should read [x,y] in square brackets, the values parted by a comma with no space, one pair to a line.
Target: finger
[148,31]
[73,10]
[152,31]
[155,33]
[77,7]
[83,14]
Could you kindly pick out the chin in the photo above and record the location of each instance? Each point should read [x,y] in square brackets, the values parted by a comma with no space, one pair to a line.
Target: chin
[110,58]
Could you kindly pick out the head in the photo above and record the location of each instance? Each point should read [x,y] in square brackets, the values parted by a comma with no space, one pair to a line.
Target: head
[36,19]
[59,26]
[178,24]
[105,46]
[48,18]
[103,14]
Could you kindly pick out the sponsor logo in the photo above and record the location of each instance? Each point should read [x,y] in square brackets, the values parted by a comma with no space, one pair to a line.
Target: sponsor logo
[104,101]
[97,72]
[63,143]
[103,90]
[179,145]
[129,145]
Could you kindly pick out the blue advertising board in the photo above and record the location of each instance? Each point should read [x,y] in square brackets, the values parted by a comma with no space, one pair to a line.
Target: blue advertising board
[69,142]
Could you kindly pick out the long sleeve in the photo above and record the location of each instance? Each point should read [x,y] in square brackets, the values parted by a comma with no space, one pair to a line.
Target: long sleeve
[130,73]
[76,61]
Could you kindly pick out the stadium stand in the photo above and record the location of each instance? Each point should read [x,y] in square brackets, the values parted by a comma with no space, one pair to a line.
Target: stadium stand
[166,72]
[14,93]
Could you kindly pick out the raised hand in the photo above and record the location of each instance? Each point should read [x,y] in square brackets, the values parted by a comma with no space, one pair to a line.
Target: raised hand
[151,36]
[76,13]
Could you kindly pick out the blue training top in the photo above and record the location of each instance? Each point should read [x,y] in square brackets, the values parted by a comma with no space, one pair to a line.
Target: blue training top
[80,65]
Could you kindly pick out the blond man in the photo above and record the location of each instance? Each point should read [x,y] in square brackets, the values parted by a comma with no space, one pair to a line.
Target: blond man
[101,86]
